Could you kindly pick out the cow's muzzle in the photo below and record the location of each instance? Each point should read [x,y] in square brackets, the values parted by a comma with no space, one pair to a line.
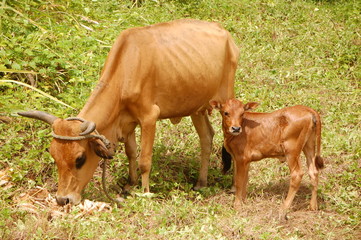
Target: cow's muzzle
[68,199]
[62,200]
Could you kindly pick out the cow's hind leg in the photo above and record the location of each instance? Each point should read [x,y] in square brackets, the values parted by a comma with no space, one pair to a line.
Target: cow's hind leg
[205,133]
[131,152]
[309,151]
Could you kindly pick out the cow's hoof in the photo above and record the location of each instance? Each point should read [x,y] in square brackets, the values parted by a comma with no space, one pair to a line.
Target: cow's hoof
[232,190]
[127,188]
[200,184]
[282,217]
[197,188]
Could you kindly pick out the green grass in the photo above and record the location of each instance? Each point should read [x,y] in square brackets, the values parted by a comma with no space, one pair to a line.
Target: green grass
[291,52]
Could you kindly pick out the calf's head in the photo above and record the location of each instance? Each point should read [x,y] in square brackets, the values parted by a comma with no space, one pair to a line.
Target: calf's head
[232,114]
[76,154]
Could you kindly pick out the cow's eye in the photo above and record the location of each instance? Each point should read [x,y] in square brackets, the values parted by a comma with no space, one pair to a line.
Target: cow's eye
[79,162]
[226,113]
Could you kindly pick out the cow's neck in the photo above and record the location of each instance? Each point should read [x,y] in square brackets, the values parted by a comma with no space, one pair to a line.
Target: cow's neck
[102,108]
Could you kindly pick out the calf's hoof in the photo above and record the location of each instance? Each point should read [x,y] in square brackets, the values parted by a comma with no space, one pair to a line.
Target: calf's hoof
[314,206]
[237,205]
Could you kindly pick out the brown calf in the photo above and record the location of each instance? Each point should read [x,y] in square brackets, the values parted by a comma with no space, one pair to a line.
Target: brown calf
[282,134]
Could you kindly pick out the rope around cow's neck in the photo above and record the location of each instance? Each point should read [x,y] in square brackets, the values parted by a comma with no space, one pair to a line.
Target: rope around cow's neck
[107,145]
[104,185]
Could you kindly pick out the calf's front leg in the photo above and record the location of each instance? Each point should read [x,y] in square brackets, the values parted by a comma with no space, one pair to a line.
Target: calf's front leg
[241,181]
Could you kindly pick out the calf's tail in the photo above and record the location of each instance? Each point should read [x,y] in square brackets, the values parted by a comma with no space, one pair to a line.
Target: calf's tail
[226,160]
[317,123]
[319,162]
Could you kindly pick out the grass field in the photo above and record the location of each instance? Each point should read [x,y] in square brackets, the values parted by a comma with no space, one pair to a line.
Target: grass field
[291,52]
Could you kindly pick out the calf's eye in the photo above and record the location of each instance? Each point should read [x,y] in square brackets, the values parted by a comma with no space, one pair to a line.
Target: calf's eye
[226,113]
[79,162]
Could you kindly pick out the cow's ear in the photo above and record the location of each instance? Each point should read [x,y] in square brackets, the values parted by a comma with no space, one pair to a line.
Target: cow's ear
[215,105]
[250,106]
[100,149]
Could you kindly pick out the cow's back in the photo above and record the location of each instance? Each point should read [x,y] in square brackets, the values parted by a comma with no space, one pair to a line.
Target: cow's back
[178,65]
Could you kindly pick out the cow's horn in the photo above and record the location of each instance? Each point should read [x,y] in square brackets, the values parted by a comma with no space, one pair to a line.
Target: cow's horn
[86,128]
[43,116]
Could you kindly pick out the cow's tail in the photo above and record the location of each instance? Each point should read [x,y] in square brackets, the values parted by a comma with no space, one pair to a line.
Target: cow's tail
[226,160]
[319,162]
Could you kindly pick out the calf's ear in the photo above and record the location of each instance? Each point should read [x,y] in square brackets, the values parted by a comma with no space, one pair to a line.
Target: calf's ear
[100,149]
[250,106]
[215,105]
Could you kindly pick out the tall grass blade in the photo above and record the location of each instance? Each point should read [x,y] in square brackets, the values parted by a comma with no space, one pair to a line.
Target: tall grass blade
[22,15]
[37,90]
[17,71]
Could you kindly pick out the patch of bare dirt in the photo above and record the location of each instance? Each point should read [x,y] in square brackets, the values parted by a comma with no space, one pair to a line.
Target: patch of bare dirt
[258,217]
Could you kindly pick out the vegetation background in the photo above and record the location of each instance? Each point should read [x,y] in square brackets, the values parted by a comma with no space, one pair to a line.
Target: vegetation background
[292,52]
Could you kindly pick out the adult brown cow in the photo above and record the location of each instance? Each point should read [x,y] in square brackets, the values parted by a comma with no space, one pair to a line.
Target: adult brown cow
[168,70]
[282,134]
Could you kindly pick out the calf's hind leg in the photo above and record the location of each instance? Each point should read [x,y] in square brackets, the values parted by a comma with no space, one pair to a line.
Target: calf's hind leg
[309,151]
[295,181]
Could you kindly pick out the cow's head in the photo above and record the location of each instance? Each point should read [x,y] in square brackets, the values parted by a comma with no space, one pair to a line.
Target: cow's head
[232,114]
[76,150]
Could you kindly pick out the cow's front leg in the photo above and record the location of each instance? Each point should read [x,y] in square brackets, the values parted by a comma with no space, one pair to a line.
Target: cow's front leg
[241,181]
[131,152]
[148,125]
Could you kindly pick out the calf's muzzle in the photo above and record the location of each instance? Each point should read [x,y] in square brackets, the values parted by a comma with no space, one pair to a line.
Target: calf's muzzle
[235,130]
